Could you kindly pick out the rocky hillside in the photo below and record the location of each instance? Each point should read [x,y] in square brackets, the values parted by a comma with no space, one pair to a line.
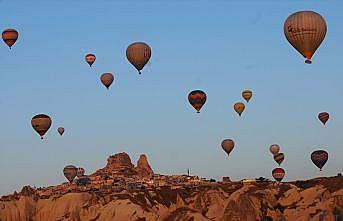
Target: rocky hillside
[187,199]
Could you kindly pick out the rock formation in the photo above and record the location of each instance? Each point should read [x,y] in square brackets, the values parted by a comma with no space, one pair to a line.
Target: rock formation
[143,168]
[114,195]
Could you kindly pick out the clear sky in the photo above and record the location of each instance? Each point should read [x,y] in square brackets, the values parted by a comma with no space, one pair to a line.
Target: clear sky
[220,47]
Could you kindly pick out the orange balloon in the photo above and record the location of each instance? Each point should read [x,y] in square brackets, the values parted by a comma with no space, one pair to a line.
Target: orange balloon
[305,31]
[239,108]
[247,94]
[107,79]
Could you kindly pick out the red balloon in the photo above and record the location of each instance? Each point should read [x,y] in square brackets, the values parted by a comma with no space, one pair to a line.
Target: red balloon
[197,99]
[278,174]
[319,158]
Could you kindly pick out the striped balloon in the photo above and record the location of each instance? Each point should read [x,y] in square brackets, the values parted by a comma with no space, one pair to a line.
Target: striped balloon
[138,55]
[41,124]
[10,36]
[305,31]
[319,158]
[107,79]
[197,99]
[279,157]
[90,59]
[278,174]
[323,117]
[70,172]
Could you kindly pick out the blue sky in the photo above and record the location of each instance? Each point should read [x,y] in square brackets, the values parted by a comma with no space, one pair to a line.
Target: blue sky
[220,47]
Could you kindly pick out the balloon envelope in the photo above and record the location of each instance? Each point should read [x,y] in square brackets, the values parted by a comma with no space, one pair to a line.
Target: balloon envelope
[305,31]
[90,59]
[60,130]
[278,174]
[274,149]
[247,94]
[107,79]
[80,172]
[323,117]
[10,36]
[319,158]
[239,108]
[197,99]
[279,157]
[138,55]
[228,145]
[41,124]
[70,172]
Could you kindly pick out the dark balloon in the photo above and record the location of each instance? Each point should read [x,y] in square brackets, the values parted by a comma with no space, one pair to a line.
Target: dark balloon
[60,130]
[197,99]
[323,117]
[90,58]
[138,55]
[228,145]
[247,94]
[41,124]
[279,157]
[305,31]
[239,108]
[70,172]
[278,174]
[319,158]
[10,36]
[274,149]
[80,172]
[107,79]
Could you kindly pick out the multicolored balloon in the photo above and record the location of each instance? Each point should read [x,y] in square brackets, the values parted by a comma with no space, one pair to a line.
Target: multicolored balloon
[90,59]
[323,117]
[41,124]
[278,174]
[274,149]
[10,36]
[197,99]
[279,157]
[70,172]
[247,94]
[228,146]
[107,79]
[239,108]
[319,158]
[305,31]
[138,55]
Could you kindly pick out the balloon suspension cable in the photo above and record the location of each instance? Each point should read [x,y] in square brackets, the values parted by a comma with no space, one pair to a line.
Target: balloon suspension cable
[308,61]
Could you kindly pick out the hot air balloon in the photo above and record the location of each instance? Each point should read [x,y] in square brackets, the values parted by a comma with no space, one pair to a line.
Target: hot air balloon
[138,55]
[279,157]
[107,79]
[228,145]
[274,149]
[80,172]
[278,174]
[305,31]
[70,172]
[10,36]
[247,94]
[60,130]
[239,108]
[41,124]
[90,58]
[319,158]
[197,99]
[323,117]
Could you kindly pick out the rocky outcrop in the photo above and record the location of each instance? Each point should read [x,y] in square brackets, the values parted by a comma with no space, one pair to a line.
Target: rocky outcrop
[143,168]
[318,199]
[119,161]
